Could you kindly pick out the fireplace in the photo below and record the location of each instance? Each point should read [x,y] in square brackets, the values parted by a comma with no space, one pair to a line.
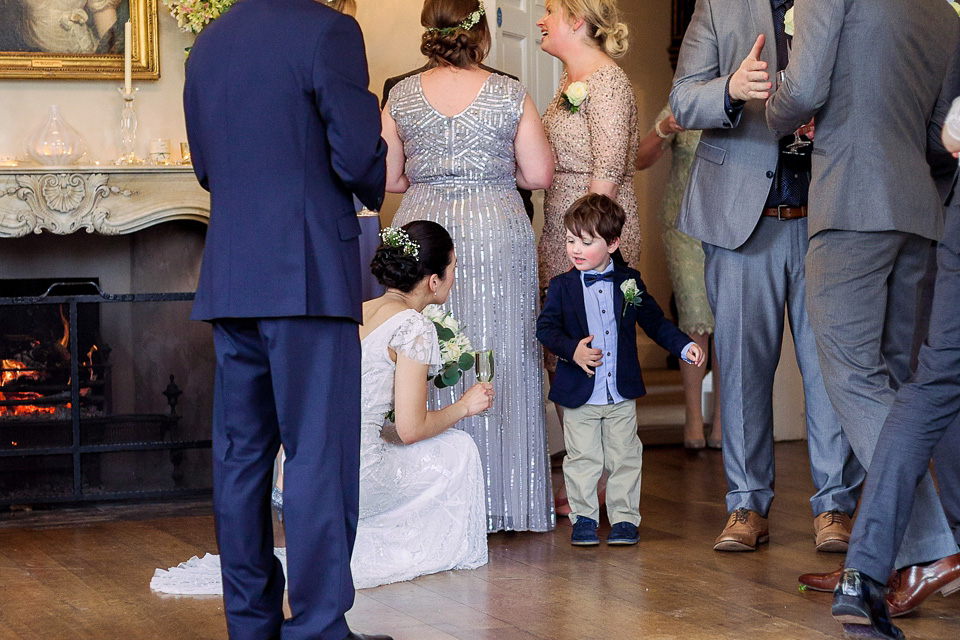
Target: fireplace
[105,383]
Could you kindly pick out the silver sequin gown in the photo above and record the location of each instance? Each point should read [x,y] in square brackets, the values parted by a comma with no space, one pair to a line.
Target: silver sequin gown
[462,176]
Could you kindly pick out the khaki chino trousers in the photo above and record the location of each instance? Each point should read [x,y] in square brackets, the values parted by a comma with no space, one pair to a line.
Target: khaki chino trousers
[599,437]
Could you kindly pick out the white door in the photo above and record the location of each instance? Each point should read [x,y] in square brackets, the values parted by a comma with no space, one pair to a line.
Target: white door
[516,48]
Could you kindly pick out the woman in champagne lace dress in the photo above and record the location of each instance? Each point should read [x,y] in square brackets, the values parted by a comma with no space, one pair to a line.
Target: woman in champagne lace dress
[421,483]
[460,140]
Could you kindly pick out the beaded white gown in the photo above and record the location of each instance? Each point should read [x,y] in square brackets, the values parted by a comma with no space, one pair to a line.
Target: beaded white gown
[421,505]
[462,172]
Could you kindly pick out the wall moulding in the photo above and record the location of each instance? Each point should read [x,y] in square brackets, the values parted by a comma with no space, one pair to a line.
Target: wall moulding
[106,200]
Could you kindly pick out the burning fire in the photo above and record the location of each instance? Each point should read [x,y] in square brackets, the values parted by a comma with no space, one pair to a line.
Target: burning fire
[11,370]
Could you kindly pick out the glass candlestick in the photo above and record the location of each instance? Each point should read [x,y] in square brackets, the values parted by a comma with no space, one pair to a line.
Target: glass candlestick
[128,129]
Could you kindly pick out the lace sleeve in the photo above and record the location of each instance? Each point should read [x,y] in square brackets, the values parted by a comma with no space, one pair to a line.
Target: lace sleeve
[608,117]
[416,338]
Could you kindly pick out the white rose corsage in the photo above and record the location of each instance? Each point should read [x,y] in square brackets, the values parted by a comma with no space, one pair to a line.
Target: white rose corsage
[788,22]
[455,348]
[574,96]
[631,295]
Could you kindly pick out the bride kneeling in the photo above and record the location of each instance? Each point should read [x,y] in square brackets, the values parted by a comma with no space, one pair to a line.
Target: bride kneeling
[421,483]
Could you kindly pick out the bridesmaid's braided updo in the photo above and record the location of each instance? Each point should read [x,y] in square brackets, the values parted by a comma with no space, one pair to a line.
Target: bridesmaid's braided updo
[445,42]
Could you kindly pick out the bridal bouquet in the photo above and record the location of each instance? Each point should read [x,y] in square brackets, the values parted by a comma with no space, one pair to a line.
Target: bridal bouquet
[193,15]
[455,348]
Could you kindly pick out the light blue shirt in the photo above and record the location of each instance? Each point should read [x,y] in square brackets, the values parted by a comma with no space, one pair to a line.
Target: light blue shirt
[602,324]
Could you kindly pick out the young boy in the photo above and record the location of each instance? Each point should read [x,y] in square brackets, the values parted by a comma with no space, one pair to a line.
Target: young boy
[589,321]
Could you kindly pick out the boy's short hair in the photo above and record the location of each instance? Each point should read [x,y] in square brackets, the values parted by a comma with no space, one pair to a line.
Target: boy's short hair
[597,215]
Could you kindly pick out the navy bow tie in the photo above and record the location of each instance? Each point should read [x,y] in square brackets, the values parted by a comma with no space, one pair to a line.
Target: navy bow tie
[592,278]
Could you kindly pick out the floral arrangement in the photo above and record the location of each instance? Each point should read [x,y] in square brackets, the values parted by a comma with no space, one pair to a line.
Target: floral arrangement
[574,96]
[193,15]
[455,348]
[466,24]
[631,295]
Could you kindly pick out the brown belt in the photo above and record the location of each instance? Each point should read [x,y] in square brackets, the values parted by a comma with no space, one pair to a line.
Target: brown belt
[785,213]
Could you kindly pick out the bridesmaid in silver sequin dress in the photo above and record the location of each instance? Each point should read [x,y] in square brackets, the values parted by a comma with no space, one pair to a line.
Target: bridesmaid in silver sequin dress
[460,141]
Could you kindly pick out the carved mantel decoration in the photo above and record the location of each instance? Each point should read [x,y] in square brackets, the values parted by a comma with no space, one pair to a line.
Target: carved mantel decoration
[105,200]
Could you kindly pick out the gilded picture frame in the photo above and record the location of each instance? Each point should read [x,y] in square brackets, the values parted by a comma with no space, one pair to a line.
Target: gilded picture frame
[78,39]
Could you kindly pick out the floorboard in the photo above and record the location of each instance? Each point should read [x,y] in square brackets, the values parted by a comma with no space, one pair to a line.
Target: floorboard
[84,573]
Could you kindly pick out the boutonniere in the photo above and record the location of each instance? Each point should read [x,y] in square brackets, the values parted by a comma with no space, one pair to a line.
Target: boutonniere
[574,96]
[631,295]
[788,23]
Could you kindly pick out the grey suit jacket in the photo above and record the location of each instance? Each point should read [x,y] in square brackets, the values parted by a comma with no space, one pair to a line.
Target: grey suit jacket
[733,168]
[871,72]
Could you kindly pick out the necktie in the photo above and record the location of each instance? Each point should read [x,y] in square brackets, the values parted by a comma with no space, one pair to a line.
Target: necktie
[779,11]
[592,278]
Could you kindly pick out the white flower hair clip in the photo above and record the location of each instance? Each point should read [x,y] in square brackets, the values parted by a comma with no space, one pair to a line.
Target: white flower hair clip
[400,239]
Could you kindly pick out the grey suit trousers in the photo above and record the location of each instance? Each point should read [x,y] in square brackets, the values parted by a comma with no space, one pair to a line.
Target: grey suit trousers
[925,417]
[862,297]
[748,289]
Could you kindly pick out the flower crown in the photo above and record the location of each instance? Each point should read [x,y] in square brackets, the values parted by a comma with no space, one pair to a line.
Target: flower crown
[466,24]
[400,239]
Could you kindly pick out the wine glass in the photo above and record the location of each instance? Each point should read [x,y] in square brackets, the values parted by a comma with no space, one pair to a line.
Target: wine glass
[483,363]
[798,143]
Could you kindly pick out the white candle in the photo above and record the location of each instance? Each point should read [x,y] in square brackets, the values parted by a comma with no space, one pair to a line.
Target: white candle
[127,58]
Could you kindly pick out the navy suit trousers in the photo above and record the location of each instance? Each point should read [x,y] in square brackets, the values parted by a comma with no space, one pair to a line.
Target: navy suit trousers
[925,417]
[294,381]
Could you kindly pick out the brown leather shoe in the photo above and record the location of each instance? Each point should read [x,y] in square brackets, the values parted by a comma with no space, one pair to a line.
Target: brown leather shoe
[821,581]
[832,531]
[914,584]
[744,531]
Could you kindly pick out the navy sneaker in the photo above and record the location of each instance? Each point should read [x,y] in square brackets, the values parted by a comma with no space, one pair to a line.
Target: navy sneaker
[623,533]
[584,533]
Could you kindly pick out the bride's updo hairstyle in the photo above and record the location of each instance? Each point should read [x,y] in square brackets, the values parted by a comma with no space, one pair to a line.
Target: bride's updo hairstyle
[602,20]
[396,268]
[445,42]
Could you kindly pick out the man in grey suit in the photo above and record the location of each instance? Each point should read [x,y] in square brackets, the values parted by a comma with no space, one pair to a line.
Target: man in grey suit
[871,72]
[746,201]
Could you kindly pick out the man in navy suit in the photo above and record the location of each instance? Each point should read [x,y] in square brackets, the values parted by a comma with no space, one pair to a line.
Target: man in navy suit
[589,321]
[283,132]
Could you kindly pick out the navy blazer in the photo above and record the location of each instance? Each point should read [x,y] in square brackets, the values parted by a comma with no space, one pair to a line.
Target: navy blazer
[282,131]
[563,324]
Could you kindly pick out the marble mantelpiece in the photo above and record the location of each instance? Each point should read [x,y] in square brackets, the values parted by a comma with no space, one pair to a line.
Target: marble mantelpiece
[108,200]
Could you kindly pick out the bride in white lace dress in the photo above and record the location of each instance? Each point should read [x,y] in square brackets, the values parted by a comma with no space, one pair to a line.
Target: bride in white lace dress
[421,483]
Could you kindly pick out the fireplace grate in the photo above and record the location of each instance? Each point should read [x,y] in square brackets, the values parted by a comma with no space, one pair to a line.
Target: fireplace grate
[72,442]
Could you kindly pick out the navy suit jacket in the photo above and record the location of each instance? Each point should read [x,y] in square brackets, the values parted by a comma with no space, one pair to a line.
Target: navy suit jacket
[282,130]
[563,324]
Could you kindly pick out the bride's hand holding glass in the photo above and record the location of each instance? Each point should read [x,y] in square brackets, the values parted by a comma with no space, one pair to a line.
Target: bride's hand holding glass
[477,398]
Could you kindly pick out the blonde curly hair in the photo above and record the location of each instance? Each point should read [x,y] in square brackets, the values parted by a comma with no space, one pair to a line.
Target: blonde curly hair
[604,26]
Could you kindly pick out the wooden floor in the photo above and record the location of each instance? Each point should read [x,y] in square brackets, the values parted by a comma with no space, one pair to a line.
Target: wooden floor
[85,574]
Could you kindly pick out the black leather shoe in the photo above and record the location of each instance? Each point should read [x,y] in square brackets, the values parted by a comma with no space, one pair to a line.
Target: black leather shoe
[361,636]
[859,604]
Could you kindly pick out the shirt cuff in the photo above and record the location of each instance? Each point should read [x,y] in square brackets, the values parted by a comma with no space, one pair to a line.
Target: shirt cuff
[685,351]
[731,107]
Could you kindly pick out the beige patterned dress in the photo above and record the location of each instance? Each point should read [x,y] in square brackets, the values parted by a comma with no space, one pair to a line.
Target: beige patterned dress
[684,254]
[599,142]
